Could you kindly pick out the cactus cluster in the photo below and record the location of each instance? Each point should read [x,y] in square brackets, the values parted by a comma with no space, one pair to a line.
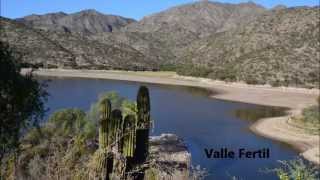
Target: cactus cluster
[128,135]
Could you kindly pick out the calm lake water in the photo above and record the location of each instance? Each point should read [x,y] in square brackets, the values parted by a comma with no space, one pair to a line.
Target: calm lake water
[188,112]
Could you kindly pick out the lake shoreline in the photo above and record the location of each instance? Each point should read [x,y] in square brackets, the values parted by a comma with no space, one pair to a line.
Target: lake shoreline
[275,128]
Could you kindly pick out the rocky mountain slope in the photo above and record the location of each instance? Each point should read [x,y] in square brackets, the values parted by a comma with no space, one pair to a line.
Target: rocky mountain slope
[281,47]
[87,22]
[153,48]
[61,49]
[201,18]
[179,26]
[234,42]
[163,36]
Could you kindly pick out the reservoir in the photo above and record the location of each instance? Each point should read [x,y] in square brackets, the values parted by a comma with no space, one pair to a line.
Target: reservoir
[202,122]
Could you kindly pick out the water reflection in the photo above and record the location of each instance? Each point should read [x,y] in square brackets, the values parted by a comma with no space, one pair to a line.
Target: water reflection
[258,112]
[196,91]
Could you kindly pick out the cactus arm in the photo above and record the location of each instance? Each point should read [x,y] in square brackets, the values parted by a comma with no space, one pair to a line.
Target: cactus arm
[105,112]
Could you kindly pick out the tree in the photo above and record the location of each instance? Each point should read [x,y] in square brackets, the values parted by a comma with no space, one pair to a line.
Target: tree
[21,101]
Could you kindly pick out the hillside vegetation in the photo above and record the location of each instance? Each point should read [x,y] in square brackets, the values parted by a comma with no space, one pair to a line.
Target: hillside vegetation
[68,50]
[231,42]
[279,48]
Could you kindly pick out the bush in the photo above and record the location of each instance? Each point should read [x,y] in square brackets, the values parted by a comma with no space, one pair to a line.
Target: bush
[249,79]
[311,115]
[309,120]
[224,74]
[68,121]
[168,67]
[297,170]
[193,70]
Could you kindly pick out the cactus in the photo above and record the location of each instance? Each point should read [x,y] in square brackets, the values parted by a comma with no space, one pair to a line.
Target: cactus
[102,160]
[131,135]
[143,125]
[100,164]
[117,123]
[143,105]
[128,140]
[104,112]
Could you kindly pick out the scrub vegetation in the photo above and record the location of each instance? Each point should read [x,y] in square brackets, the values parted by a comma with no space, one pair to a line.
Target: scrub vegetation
[309,119]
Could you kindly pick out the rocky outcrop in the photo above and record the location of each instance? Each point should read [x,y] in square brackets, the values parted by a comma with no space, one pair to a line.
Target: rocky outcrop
[170,158]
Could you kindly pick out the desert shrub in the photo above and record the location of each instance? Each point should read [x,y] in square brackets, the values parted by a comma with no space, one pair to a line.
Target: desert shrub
[68,121]
[224,74]
[117,102]
[151,174]
[250,79]
[168,67]
[59,147]
[89,130]
[309,119]
[311,115]
[36,167]
[297,169]
[193,70]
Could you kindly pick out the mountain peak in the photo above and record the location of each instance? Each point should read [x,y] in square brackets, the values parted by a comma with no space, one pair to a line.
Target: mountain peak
[251,4]
[279,7]
[89,11]
[248,3]
[88,21]
[199,18]
[56,14]
[61,13]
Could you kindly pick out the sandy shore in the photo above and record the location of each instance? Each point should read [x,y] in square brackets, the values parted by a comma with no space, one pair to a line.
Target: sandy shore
[275,128]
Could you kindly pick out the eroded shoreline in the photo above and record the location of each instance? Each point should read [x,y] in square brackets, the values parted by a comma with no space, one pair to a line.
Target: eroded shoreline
[275,128]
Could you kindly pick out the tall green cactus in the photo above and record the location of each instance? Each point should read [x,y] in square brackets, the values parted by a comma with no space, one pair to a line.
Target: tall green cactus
[143,125]
[128,140]
[102,159]
[101,164]
[143,105]
[131,135]
[105,114]
[117,123]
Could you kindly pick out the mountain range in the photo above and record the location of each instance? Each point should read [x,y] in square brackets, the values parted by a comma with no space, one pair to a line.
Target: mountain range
[231,42]
[87,21]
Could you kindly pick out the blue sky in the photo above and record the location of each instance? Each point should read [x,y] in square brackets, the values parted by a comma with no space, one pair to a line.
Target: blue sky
[129,8]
